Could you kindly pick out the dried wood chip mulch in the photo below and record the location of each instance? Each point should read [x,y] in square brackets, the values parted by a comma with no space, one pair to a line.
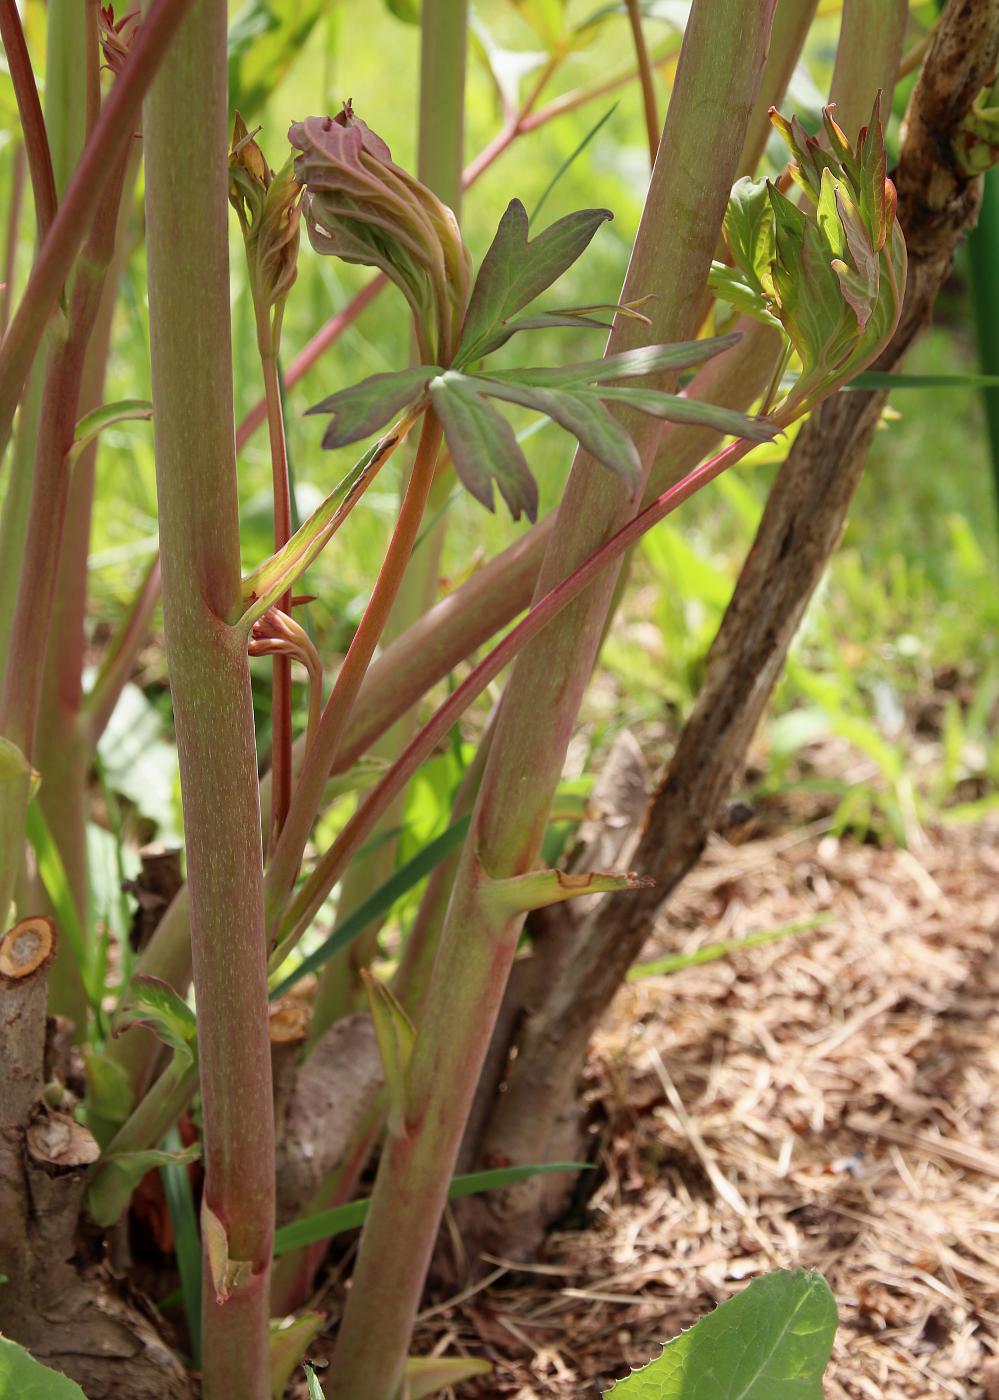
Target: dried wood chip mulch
[828,1101]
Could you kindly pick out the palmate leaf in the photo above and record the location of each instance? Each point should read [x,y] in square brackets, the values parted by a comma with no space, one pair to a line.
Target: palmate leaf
[483,446]
[770,1342]
[515,270]
[362,409]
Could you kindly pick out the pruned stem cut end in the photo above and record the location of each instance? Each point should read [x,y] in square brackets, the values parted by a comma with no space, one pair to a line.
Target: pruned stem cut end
[27,948]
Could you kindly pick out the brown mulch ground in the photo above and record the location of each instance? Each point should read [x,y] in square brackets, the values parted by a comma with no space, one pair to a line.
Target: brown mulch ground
[828,1101]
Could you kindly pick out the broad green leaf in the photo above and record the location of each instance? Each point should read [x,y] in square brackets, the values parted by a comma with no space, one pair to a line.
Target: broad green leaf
[265,37]
[24,1378]
[123,411]
[770,1342]
[378,903]
[583,415]
[364,408]
[483,447]
[426,1375]
[629,364]
[129,1168]
[711,952]
[327,1223]
[515,271]
[676,409]
[395,1034]
[154,1004]
[289,1337]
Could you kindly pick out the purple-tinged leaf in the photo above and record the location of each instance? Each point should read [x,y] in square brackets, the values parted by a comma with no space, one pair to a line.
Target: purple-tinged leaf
[630,364]
[676,408]
[515,270]
[483,446]
[581,413]
[364,408]
[545,320]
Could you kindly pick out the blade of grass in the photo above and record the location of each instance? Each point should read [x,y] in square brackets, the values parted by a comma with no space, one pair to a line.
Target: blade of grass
[676,962]
[52,873]
[327,1223]
[569,160]
[378,902]
[187,1241]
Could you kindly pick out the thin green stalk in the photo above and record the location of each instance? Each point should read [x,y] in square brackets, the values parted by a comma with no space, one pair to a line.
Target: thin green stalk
[108,141]
[720,65]
[18,163]
[283,868]
[647,78]
[187,238]
[25,660]
[443,46]
[119,659]
[983,260]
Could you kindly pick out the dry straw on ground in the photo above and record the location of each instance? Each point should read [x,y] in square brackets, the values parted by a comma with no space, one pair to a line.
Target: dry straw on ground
[829,1101]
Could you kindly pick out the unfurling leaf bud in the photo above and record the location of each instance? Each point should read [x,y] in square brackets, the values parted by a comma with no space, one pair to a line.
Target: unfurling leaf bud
[364,208]
[833,274]
[268,206]
[976,145]
[116,35]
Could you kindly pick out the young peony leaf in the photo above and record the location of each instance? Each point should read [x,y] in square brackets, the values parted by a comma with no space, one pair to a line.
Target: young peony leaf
[544,320]
[582,414]
[364,408]
[749,230]
[731,285]
[130,1168]
[770,1342]
[515,270]
[483,446]
[629,364]
[154,1004]
[675,408]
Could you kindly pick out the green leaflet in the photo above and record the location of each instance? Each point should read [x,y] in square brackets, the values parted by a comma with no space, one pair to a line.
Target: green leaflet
[582,414]
[770,1342]
[676,409]
[749,230]
[130,1168]
[483,446]
[361,410]
[315,1389]
[327,1223]
[629,364]
[515,270]
[24,1378]
[426,1375]
[122,411]
[395,1034]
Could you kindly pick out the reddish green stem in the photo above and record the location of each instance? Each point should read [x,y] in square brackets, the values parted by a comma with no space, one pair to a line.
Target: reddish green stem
[36,141]
[100,160]
[647,78]
[187,239]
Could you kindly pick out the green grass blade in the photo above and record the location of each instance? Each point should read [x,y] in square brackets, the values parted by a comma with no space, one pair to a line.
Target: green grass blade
[874,379]
[187,1241]
[53,876]
[676,962]
[570,161]
[327,1223]
[378,902]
